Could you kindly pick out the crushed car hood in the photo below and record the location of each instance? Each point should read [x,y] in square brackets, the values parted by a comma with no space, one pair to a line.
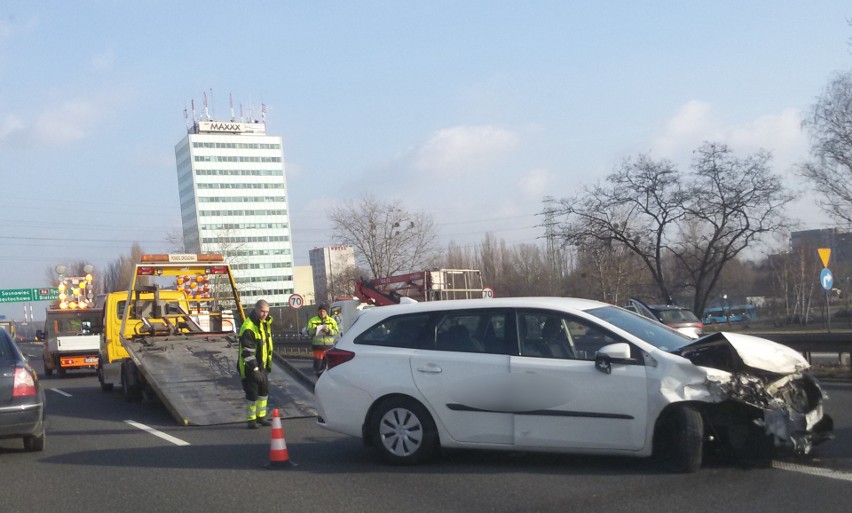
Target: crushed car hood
[734,352]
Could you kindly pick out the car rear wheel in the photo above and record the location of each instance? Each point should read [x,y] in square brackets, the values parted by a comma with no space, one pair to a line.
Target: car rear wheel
[403,431]
[679,439]
[35,443]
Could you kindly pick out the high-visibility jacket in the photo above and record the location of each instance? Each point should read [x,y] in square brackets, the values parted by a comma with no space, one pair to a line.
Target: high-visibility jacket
[322,338]
[255,344]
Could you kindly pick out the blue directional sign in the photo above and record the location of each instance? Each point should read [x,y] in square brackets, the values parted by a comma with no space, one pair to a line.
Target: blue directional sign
[826,279]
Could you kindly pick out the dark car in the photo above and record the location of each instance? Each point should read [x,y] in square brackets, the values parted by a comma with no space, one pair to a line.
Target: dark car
[21,397]
[675,317]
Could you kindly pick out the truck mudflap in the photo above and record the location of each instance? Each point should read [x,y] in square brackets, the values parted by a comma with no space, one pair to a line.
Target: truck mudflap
[197,380]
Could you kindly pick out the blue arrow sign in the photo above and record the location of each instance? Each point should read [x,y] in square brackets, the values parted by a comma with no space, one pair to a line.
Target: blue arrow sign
[826,279]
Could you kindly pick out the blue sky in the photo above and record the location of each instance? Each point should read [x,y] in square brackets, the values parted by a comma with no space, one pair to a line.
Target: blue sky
[469,110]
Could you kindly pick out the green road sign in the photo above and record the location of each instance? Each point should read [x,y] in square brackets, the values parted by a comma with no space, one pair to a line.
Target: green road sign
[16,295]
[24,295]
[46,294]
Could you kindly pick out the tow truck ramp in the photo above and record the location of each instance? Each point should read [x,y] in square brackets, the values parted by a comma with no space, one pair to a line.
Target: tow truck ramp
[198,380]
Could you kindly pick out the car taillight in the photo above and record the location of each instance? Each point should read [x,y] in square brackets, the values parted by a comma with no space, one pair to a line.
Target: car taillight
[334,357]
[24,384]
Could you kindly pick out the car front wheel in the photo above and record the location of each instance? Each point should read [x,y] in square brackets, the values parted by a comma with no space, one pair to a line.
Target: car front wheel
[403,431]
[679,439]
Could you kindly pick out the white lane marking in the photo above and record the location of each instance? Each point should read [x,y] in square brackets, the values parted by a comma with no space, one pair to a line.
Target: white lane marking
[164,436]
[813,471]
[60,392]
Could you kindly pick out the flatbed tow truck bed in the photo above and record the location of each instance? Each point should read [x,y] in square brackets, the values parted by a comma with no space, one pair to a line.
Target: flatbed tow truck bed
[197,379]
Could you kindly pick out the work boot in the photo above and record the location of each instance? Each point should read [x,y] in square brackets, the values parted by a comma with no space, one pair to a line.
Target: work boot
[263,421]
[252,424]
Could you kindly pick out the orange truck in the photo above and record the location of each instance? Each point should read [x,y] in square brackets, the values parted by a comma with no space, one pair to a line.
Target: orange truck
[71,339]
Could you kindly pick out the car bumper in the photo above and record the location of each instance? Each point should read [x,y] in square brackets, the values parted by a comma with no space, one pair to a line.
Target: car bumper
[341,407]
[21,420]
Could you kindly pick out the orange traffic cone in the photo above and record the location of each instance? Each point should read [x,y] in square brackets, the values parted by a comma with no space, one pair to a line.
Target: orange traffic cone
[278,455]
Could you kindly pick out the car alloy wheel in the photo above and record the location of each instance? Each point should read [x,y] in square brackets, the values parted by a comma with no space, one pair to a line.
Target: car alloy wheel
[401,432]
[404,431]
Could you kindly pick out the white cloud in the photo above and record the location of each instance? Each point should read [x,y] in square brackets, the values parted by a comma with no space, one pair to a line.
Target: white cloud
[535,183]
[10,126]
[462,149]
[61,121]
[103,60]
[696,122]
[70,121]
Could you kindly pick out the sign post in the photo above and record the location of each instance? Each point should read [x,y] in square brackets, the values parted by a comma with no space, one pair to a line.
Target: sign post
[296,301]
[826,279]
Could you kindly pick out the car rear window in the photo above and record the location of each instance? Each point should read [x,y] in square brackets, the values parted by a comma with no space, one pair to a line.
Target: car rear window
[7,351]
[401,331]
[677,315]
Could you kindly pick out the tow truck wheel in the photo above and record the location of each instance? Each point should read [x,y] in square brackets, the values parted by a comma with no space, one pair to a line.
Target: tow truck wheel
[60,370]
[131,391]
[48,370]
[105,387]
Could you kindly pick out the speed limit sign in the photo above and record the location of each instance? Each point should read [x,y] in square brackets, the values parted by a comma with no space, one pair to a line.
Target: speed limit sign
[296,301]
[487,293]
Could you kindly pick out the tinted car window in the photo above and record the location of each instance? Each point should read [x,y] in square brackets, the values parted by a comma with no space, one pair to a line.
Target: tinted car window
[675,316]
[401,331]
[475,331]
[545,334]
[7,351]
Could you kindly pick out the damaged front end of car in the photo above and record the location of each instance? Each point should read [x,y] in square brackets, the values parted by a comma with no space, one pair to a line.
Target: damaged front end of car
[765,398]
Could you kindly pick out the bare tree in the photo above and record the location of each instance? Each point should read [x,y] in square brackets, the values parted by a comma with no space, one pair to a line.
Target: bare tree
[700,220]
[341,282]
[119,273]
[174,238]
[387,238]
[830,167]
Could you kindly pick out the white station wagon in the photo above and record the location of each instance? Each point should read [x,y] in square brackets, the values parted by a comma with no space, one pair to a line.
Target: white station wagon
[563,375]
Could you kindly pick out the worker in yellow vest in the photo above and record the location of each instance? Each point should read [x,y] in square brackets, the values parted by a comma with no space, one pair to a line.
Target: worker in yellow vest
[322,328]
[255,362]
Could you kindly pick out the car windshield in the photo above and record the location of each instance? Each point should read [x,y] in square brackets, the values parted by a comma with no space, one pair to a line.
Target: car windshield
[677,315]
[650,331]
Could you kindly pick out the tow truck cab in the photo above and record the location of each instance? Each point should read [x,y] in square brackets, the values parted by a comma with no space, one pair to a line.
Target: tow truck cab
[112,352]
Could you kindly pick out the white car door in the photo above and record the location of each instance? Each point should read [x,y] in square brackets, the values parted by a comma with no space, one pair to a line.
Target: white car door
[463,376]
[569,403]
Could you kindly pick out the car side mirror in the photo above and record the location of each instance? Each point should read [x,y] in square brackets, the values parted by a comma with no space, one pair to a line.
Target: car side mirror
[608,353]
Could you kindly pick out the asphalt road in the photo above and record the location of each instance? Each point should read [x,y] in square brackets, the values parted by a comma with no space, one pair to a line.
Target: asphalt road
[96,461]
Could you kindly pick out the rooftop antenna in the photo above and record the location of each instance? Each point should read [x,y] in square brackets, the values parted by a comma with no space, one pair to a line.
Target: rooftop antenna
[186,116]
[242,118]
[231,98]
[263,112]
[194,118]
[206,111]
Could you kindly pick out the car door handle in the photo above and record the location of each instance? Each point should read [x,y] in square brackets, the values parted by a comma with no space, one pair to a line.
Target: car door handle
[429,369]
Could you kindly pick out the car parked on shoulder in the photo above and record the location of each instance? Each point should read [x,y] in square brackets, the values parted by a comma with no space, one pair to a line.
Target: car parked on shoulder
[562,375]
[21,397]
[675,317]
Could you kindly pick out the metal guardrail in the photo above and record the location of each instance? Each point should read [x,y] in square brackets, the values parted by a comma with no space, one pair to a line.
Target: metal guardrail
[809,343]
[292,345]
